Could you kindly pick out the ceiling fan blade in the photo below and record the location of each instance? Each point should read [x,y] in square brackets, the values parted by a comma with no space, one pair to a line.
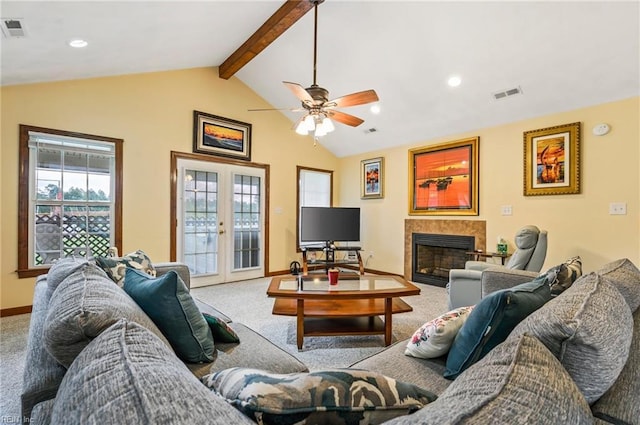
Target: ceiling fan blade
[354,99]
[299,92]
[347,119]
[275,109]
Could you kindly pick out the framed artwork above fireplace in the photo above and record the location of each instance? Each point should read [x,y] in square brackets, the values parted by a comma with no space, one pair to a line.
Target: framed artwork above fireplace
[443,178]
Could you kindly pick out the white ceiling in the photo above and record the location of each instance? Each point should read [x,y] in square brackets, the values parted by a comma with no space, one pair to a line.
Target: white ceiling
[563,55]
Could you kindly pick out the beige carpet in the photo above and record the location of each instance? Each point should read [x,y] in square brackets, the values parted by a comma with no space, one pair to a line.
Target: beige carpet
[318,352]
[244,302]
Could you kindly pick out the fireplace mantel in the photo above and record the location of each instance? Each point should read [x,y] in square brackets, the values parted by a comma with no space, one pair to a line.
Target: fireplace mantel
[475,228]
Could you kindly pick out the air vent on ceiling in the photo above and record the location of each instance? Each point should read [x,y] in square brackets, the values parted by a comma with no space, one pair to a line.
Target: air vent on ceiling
[370,130]
[507,93]
[13,28]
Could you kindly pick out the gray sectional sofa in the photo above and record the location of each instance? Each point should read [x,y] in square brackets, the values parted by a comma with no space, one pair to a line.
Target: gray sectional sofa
[574,360]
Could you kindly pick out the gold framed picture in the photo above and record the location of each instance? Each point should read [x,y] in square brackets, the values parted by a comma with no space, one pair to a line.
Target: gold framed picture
[372,178]
[221,136]
[552,160]
[443,178]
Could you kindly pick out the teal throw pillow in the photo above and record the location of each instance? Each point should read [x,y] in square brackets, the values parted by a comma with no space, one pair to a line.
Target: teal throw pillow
[221,331]
[166,300]
[335,396]
[492,320]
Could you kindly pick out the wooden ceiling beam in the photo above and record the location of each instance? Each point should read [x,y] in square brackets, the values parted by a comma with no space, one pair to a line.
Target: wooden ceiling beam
[276,25]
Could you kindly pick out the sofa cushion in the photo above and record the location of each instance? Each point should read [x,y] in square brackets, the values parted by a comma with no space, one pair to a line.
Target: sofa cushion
[86,303]
[588,328]
[128,375]
[491,321]
[62,268]
[167,301]
[563,275]
[434,338]
[116,267]
[43,374]
[345,396]
[625,276]
[621,404]
[518,382]
[220,329]
[254,351]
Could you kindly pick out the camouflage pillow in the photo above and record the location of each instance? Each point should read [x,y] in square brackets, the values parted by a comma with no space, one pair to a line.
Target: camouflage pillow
[562,276]
[116,267]
[337,396]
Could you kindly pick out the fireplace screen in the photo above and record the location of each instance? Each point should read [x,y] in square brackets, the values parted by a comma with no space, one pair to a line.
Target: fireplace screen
[433,255]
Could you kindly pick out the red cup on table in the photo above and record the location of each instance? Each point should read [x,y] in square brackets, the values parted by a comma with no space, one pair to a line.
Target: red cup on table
[333,276]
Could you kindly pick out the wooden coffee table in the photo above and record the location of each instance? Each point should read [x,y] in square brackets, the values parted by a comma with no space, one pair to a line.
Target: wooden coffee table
[352,307]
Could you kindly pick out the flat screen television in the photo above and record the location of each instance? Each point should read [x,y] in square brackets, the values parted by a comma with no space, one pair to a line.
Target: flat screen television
[329,224]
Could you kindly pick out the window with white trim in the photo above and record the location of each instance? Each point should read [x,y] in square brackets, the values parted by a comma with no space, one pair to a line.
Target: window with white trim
[315,189]
[69,197]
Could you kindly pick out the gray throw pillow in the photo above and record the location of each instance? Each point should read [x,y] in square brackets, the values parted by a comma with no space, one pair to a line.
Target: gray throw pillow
[588,328]
[63,268]
[620,404]
[625,276]
[518,382]
[127,375]
[86,303]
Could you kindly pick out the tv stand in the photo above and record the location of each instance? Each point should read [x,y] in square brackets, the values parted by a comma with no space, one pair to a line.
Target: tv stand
[330,257]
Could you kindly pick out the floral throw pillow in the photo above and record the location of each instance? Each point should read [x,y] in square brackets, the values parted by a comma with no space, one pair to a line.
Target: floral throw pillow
[116,267]
[434,338]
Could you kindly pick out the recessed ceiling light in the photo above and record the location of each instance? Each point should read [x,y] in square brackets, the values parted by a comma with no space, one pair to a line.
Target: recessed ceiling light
[78,43]
[454,81]
[375,108]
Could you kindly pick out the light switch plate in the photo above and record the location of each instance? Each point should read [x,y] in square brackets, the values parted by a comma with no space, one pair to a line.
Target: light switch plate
[507,210]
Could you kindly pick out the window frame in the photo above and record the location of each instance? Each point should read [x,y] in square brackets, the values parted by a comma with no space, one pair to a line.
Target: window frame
[299,170]
[25,270]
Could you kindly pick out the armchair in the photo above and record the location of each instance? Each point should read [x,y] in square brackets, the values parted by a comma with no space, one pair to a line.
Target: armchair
[466,285]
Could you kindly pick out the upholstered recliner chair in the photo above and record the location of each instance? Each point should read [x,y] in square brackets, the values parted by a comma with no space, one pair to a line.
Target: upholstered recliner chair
[465,285]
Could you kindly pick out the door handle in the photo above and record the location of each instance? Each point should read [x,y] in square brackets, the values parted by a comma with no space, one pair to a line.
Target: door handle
[221,232]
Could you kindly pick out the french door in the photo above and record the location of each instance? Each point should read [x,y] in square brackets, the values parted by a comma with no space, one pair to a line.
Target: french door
[220,221]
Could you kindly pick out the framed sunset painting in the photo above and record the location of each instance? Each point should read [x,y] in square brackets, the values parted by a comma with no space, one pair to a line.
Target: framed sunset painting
[216,135]
[443,178]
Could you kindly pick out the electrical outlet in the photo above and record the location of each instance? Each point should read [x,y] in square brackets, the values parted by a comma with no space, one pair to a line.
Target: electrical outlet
[618,208]
[370,254]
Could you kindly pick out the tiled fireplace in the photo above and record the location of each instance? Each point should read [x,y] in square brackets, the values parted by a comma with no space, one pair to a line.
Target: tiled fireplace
[434,255]
[435,233]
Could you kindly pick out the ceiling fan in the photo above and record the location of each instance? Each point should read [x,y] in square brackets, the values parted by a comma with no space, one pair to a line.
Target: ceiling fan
[315,99]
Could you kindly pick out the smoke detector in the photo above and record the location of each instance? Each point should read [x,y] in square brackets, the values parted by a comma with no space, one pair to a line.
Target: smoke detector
[13,28]
[507,93]
[370,130]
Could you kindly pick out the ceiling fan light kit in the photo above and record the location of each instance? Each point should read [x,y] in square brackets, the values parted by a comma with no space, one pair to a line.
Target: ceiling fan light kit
[320,111]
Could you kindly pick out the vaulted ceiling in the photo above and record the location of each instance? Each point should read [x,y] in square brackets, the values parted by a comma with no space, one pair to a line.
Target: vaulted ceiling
[562,55]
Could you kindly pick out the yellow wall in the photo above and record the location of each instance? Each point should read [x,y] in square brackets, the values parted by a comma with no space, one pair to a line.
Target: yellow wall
[577,224]
[153,113]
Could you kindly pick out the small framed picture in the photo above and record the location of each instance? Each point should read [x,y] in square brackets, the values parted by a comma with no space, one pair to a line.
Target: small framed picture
[372,178]
[220,136]
[552,160]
